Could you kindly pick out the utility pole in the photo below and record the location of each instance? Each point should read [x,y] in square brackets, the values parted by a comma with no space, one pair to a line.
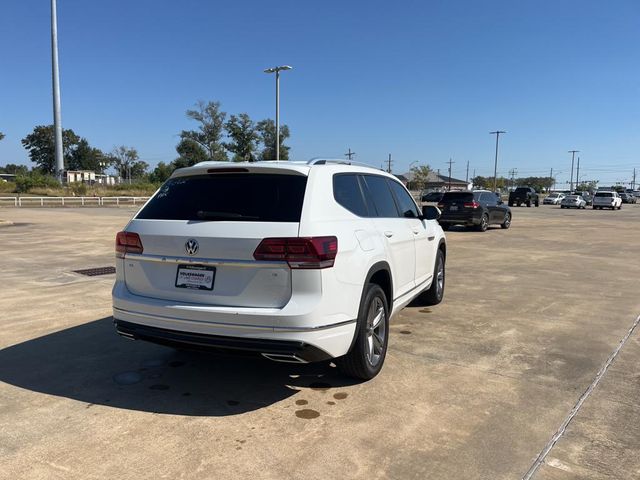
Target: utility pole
[512,173]
[573,154]
[495,165]
[633,182]
[551,177]
[349,154]
[55,74]
[389,162]
[578,173]
[450,162]
[466,179]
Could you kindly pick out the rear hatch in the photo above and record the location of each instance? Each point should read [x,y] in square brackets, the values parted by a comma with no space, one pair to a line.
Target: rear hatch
[199,233]
[457,205]
[603,198]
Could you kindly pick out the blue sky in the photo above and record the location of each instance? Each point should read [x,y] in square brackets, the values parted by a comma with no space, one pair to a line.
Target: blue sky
[424,81]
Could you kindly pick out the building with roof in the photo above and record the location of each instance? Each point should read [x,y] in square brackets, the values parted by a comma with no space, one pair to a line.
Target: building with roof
[435,181]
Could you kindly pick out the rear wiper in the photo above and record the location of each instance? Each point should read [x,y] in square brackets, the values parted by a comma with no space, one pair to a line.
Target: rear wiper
[207,215]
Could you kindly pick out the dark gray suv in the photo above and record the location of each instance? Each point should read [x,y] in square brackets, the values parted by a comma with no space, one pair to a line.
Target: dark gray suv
[477,209]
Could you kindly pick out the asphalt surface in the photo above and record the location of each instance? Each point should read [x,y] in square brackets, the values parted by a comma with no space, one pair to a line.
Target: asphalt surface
[474,388]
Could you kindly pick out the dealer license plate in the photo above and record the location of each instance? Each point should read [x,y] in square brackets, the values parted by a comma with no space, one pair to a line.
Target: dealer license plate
[198,277]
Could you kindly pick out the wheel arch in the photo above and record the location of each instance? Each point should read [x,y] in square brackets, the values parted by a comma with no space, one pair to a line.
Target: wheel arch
[380,274]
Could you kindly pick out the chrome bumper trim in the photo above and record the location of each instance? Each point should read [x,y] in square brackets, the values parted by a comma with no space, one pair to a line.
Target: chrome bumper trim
[236,326]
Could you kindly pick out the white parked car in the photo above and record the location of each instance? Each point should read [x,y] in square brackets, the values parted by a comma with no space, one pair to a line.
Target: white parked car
[298,262]
[573,201]
[553,199]
[607,199]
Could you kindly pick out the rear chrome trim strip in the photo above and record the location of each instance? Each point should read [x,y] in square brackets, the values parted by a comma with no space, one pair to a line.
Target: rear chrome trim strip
[238,325]
[204,261]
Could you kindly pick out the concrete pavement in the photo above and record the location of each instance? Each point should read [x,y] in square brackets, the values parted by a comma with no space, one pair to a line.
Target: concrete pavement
[472,388]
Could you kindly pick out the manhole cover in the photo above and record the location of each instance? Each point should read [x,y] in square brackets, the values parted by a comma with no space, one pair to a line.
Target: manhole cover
[93,272]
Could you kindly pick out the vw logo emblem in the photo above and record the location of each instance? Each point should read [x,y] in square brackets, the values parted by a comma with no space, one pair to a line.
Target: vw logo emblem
[191,246]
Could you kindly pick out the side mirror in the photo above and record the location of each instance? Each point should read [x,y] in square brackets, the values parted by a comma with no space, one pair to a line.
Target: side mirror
[429,212]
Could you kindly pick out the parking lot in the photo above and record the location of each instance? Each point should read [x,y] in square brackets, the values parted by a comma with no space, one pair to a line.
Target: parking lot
[474,388]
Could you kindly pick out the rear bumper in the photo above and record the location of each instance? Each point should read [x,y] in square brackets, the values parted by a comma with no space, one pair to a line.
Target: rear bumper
[460,219]
[300,328]
[281,350]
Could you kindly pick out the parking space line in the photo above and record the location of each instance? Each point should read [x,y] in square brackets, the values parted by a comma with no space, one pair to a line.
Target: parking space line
[543,453]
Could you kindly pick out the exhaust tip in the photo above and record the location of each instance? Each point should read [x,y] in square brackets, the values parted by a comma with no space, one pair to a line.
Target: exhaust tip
[283,357]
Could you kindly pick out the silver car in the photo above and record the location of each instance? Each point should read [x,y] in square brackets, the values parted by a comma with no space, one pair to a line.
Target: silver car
[553,199]
[573,201]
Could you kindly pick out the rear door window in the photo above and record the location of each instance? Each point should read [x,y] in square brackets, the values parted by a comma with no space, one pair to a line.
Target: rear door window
[239,197]
[403,199]
[489,199]
[347,192]
[379,194]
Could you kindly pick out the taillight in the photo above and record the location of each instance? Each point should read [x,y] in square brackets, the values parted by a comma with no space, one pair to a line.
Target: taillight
[473,204]
[128,242]
[306,252]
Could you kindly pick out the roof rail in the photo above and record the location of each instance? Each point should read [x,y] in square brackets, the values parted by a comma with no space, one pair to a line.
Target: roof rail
[337,161]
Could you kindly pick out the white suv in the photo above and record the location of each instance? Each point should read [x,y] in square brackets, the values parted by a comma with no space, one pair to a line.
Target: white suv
[604,199]
[298,262]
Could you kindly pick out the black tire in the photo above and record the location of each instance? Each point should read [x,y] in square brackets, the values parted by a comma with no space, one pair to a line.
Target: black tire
[445,226]
[435,294]
[528,203]
[519,203]
[537,203]
[507,221]
[484,223]
[366,357]
[511,204]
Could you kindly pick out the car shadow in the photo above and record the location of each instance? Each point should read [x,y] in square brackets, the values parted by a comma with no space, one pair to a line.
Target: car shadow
[91,363]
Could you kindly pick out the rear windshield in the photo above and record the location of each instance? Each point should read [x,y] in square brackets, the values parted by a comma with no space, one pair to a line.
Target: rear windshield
[457,197]
[604,194]
[432,197]
[240,197]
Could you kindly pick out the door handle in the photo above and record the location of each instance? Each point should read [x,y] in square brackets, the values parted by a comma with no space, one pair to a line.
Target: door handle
[388,234]
[415,232]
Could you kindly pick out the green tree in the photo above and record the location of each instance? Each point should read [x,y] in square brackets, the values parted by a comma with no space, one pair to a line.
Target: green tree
[127,162]
[482,182]
[591,186]
[85,157]
[41,147]
[244,137]
[161,173]
[190,152]
[1,135]
[210,130]
[420,176]
[267,131]
[538,183]
[14,169]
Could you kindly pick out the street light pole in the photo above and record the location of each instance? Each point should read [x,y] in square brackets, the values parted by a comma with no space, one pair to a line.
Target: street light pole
[55,74]
[573,156]
[495,165]
[276,70]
